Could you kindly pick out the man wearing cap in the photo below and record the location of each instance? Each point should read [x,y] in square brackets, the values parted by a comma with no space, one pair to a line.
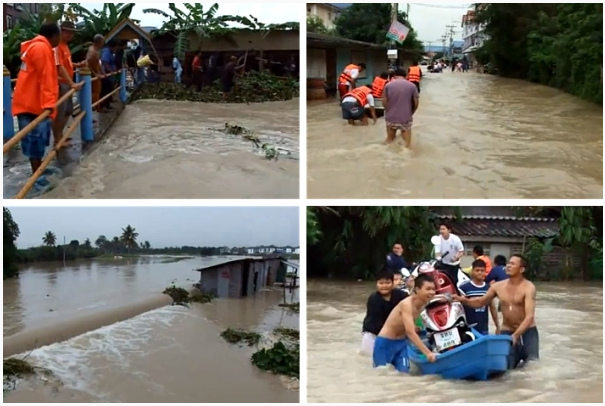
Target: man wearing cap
[65,68]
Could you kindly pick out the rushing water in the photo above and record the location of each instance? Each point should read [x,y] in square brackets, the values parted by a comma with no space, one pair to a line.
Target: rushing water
[475,136]
[569,318]
[171,354]
[180,150]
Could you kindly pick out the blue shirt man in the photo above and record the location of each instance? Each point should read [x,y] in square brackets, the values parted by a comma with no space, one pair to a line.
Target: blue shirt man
[108,59]
[395,259]
[498,272]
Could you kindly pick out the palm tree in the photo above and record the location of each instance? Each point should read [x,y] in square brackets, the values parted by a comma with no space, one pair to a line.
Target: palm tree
[129,237]
[147,245]
[49,239]
[196,20]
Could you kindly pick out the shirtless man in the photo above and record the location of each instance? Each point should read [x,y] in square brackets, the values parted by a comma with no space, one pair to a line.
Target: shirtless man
[391,347]
[518,304]
[93,61]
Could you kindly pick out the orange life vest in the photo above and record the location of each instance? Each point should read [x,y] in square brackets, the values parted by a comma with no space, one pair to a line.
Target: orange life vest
[414,74]
[378,86]
[346,77]
[360,94]
[38,80]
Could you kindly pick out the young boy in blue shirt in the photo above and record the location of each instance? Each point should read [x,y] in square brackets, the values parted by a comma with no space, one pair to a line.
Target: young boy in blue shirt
[477,287]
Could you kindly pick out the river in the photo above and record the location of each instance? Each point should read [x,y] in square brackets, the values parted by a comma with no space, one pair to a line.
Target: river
[170,355]
[179,150]
[569,318]
[476,136]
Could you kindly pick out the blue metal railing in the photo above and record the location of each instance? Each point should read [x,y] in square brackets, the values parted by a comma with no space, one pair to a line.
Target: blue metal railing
[84,118]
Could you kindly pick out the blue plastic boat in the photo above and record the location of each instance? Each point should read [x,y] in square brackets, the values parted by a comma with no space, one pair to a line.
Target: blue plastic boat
[478,360]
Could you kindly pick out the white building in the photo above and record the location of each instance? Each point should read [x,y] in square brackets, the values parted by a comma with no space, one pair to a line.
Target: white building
[473,34]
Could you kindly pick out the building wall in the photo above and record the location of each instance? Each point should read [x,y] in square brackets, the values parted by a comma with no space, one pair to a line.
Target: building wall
[226,280]
[14,12]
[316,63]
[325,12]
[248,40]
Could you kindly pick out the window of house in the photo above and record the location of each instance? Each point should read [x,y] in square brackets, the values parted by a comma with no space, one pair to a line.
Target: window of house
[9,22]
[19,6]
[330,16]
[308,9]
[36,8]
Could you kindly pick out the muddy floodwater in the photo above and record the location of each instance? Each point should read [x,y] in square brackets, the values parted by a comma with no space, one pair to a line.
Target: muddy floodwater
[169,355]
[569,319]
[178,150]
[476,136]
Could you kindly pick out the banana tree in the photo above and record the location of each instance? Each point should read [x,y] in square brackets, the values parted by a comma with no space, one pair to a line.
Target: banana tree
[194,20]
[264,30]
[100,21]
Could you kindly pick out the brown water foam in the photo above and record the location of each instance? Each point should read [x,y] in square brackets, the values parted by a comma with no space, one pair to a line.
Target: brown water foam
[35,338]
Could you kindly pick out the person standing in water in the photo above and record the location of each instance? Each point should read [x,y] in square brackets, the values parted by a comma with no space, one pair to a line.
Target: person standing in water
[379,306]
[391,346]
[400,100]
[477,287]
[518,304]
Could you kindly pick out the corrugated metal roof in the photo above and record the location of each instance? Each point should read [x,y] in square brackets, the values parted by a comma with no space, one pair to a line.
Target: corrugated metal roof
[213,262]
[504,226]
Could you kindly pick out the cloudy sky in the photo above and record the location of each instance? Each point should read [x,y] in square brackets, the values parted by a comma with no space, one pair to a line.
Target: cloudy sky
[269,13]
[430,20]
[162,227]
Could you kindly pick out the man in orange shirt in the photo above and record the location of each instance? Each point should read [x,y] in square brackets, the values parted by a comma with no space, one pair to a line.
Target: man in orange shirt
[479,254]
[65,68]
[37,91]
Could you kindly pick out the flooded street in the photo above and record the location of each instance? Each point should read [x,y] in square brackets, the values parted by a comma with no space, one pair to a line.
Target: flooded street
[161,149]
[475,136]
[569,319]
[171,354]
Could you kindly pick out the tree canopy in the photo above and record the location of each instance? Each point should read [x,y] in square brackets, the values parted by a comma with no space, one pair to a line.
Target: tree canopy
[9,248]
[367,22]
[351,242]
[556,44]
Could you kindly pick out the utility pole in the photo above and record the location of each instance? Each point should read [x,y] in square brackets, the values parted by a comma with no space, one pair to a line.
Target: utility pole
[451,35]
[394,13]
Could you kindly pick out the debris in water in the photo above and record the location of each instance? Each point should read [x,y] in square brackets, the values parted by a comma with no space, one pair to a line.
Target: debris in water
[268,150]
[287,333]
[253,87]
[280,359]
[15,368]
[293,307]
[183,296]
[234,336]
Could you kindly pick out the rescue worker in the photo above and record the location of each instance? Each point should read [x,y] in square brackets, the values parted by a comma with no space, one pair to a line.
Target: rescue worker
[349,76]
[379,83]
[415,75]
[354,105]
[37,91]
